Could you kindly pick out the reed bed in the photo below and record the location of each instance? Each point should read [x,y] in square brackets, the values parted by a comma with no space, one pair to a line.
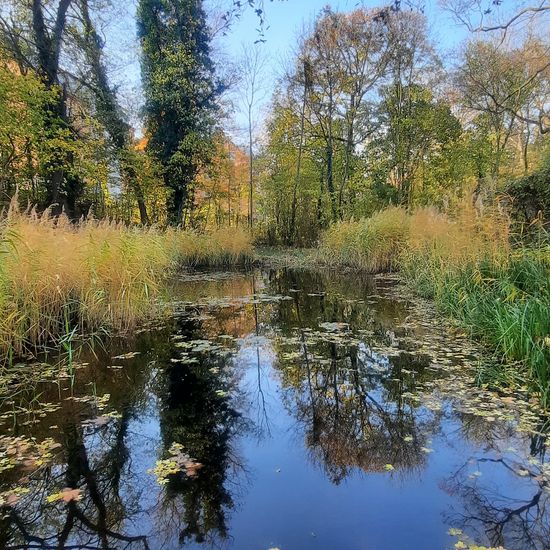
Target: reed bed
[57,277]
[465,263]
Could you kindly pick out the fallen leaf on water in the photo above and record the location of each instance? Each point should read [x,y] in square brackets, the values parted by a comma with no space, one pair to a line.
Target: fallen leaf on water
[192,468]
[97,421]
[66,495]
[129,355]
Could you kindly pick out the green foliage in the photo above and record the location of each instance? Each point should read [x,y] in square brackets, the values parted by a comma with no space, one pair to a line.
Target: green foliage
[530,196]
[416,138]
[26,145]
[373,244]
[278,180]
[506,306]
[180,92]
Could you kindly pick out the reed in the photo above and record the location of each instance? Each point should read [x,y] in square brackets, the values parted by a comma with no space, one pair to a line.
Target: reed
[95,275]
[371,244]
[465,263]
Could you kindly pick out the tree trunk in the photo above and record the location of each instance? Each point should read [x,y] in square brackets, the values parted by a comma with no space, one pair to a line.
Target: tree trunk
[48,44]
[175,206]
[347,161]
[109,111]
[330,181]
[292,235]
[251,170]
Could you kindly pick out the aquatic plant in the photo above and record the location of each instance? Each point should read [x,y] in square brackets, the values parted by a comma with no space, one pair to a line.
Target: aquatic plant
[464,262]
[57,277]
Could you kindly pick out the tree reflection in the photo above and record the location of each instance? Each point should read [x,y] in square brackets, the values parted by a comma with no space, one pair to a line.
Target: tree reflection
[349,400]
[513,521]
[195,409]
[95,520]
[198,412]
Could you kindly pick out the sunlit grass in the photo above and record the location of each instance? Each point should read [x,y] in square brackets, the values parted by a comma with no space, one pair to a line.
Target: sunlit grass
[96,275]
[464,262]
[371,244]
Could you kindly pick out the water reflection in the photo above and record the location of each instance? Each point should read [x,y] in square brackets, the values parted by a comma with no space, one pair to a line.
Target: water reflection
[511,516]
[196,410]
[319,372]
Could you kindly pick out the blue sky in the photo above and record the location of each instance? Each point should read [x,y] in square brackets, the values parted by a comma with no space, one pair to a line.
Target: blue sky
[284,20]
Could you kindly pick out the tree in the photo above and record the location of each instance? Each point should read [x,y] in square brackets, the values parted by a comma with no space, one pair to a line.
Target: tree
[503,23]
[347,55]
[494,83]
[180,93]
[23,133]
[287,211]
[413,138]
[495,16]
[107,107]
[253,66]
[33,35]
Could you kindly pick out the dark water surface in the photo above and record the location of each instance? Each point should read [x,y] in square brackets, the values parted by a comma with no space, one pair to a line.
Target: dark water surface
[289,410]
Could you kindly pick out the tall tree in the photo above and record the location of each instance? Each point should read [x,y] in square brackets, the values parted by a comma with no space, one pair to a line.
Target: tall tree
[492,83]
[253,65]
[33,34]
[180,93]
[347,55]
[413,136]
[107,107]
[413,66]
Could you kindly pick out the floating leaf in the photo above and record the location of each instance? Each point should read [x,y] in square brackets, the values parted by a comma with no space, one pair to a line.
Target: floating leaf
[129,355]
[66,495]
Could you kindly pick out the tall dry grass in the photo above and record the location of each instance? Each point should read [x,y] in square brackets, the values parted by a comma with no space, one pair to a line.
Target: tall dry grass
[371,244]
[439,245]
[465,262]
[392,237]
[57,277]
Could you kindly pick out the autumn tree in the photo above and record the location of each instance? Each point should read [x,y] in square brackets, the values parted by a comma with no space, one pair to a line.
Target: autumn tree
[24,100]
[492,81]
[33,35]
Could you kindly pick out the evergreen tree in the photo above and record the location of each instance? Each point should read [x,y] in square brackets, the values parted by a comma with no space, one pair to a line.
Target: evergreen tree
[180,93]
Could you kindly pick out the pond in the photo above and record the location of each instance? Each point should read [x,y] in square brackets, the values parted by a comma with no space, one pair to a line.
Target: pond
[274,409]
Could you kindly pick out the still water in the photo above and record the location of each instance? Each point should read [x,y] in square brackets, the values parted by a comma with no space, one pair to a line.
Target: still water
[275,409]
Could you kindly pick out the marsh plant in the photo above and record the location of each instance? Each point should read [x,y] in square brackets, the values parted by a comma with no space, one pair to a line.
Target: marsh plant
[57,276]
[464,261]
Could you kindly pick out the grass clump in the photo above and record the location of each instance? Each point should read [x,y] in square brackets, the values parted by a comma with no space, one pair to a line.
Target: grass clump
[57,277]
[220,248]
[507,306]
[371,244]
[465,263]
